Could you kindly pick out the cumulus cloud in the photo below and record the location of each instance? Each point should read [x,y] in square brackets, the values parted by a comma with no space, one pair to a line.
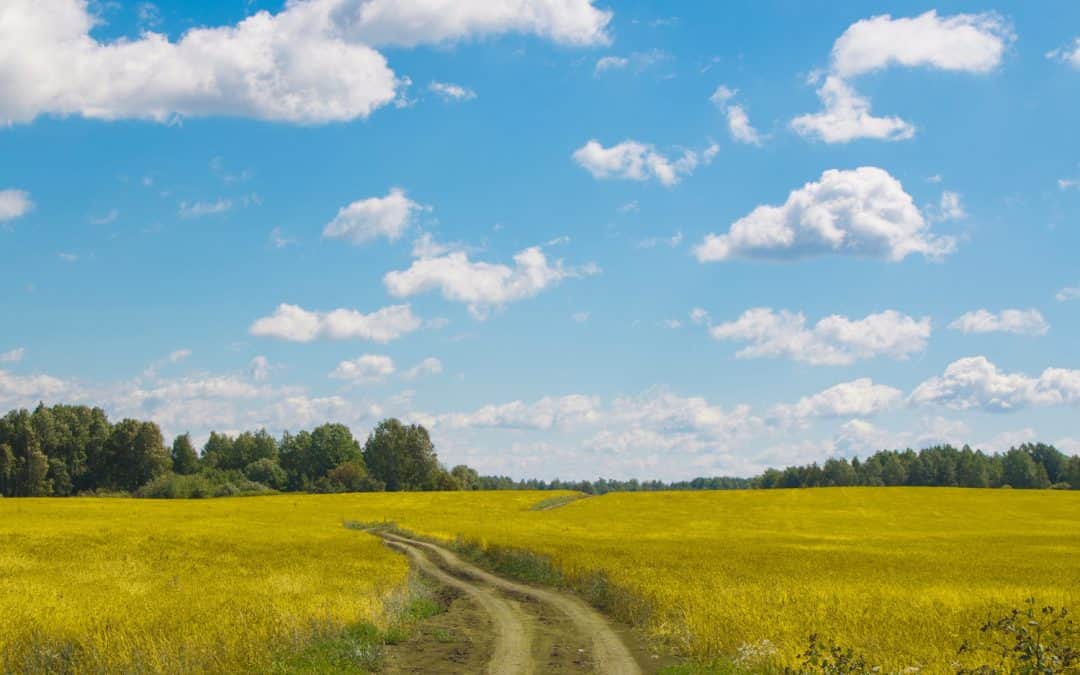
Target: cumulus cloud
[847,117]
[429,366]
[950,207]
[366,368]
[970,43]
[451,92]
[14,204]
[631,160]
[28,390]
[409,23]
[1019,321]
[863,212]
[858,398]
[834,340]
[13,355]
[606,63]
[1069,54]
[366,219]
[738,121]
[482,286]
[976,383]
[296,324]
[312,62]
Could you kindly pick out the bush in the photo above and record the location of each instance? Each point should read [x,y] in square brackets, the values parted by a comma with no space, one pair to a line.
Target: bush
[349,476]
[268,472]
[1042,640]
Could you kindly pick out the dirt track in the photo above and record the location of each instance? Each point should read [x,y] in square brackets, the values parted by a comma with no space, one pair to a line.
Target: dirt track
[532,630]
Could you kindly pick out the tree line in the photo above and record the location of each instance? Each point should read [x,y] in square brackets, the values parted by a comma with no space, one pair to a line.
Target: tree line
[75,450]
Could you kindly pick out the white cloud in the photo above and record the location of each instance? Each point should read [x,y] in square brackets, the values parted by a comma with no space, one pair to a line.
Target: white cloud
[1068,293]
[546,413]
[1068,184]
[13,355]
[480,285]
[971,43]
[631,206]
[606,63]
[366,219]
[631,160]
[28,390]
[366,368]
[296,324]
[14,203]
[429,366]
[292,66]
[68,257]
[106,219]
[312,62]
[699,317]
[259,368]
[179,355]
[200,209]
[581,317]
[413,22]
[451,92]
[1019,321]
[651,242]
[279,240]
[834,340]
[862,212]
[847,117]
[976,383]
[858,398]
[1069,54]
[950,207]
[738,121]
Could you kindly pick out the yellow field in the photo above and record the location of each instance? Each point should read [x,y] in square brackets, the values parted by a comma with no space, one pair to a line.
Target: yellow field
[120,585]
[901,574]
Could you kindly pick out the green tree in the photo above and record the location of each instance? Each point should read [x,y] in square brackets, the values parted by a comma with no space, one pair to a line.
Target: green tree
[136,455]
[268,472]
[466,477]
[403,457]
[307,457]
[184,459]
[217,450]
[1021,471]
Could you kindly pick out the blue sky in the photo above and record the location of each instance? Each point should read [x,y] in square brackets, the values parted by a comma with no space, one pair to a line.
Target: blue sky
[572,238]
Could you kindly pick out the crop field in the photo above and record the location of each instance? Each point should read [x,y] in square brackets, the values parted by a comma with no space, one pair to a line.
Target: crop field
[903,575]
[225,585]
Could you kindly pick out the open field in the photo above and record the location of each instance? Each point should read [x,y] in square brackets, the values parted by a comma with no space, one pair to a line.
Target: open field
[903,575]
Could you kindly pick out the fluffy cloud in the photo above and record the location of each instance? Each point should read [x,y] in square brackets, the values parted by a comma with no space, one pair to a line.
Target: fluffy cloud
[310,63]
[971,43]
[366,368]
[14,203]
[429,366]
[976,383]
[858,398]
[950,207]
[606,63]
[862,212]
[480,285]
[13,355]
[631,160]
[27,390]
[296,324]
[451,92]
[738,121]
[834,340]
[846,117]
[366,219]
[412,22]
[1069,54]
[1019,321]
[546,413]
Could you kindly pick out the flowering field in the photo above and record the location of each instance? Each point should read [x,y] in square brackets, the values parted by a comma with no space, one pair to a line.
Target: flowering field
[903,575]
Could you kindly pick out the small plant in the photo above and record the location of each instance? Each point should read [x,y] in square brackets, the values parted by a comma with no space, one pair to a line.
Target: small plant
[1030,641]
[824,656]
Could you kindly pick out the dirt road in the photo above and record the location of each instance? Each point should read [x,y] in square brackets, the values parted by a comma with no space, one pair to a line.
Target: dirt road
[532,630]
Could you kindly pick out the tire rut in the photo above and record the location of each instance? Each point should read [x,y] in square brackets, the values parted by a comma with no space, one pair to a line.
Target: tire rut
[537,629]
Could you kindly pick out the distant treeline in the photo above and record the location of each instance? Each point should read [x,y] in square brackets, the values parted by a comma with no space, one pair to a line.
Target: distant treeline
[71,450]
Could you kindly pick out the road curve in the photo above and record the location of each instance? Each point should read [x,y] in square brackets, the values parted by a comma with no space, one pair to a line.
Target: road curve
[610,653]
[512,651]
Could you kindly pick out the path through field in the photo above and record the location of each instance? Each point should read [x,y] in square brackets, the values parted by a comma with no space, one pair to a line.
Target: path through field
[531,630]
